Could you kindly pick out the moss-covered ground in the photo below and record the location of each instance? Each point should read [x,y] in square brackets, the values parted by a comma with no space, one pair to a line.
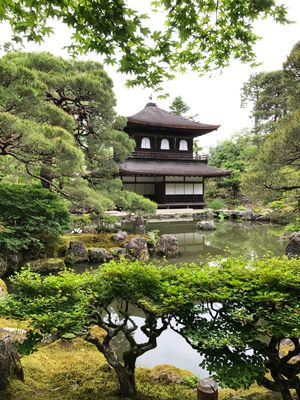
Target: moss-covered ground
[76,370]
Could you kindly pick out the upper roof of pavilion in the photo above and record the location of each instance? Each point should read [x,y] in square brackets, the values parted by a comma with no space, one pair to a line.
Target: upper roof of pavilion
[153,116]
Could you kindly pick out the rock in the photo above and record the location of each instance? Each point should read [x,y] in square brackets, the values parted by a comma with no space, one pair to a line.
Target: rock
[98,255]
[120,236]
[14,331]
[247,215]
[118,252]
[137,249]
[201,215]
[3,288]
[167,245]
[92,229]
[169,374]
[139,225]
[293,247]
[45,265]
[3,266]
[77,251]
[262,218]
[9,362]
[9,264]
[206,225]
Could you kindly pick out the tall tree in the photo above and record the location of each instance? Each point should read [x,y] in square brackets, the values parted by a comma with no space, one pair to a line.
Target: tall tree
[277,167]
[202,35]
[57,119]
[179,106]
[266,93]
[291,68]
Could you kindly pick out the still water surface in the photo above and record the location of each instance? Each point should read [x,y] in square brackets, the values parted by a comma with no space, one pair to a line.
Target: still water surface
[230,238]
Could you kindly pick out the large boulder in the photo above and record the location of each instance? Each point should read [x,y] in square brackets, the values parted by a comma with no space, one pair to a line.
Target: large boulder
[46,265]
[9,264]
[9,362]
[3,266]
[137,249]
[118,252]
[247,215]
[77,251]
[91,229]
[206,225]
[206,214]
[293,247]
[98,255]
[120,236]
[139,225]
[167,245]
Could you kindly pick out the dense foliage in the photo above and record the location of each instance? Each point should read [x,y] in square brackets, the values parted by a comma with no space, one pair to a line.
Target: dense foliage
[277,166]
[236,313]
[202,35]
[234,154]
[31,219]
[265,161]
[58,125]
[249,324]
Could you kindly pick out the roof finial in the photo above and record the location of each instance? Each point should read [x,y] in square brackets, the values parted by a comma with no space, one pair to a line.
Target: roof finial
[150,103]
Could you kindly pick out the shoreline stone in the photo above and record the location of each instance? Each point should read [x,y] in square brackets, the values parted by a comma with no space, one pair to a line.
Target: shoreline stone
[137,249]
[98,255]
[206,225]
[77,251]
[293,247]
[167,245]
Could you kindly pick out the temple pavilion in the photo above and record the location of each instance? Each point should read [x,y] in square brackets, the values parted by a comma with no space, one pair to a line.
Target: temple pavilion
[163,166]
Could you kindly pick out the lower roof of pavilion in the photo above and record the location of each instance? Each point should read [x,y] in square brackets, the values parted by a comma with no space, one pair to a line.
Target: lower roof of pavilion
[170,168]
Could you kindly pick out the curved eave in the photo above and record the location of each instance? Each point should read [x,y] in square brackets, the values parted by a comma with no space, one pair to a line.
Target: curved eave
[192,129]
[170,168]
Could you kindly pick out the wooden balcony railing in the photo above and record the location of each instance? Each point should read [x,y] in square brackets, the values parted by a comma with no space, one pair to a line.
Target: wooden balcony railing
[168,155]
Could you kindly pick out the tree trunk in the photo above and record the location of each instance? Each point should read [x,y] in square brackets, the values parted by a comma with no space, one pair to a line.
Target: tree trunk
[126,378]
[286,394]
[46,177]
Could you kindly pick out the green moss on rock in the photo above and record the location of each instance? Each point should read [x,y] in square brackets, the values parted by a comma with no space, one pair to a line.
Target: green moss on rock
[45,265]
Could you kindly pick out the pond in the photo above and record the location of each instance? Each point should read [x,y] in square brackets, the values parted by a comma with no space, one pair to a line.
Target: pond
[230,238]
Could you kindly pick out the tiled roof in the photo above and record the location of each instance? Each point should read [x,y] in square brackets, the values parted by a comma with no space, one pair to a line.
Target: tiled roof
[152,115]
[175,168]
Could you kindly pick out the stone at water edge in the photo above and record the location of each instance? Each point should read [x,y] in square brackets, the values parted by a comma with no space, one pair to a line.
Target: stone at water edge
[167,245]
[98,255]
[120,236]
[247,215]
[137,249]
[293,247]
[201,215]
[206,225]
[78,251]
[139,225]
[45,265]
[9,264]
